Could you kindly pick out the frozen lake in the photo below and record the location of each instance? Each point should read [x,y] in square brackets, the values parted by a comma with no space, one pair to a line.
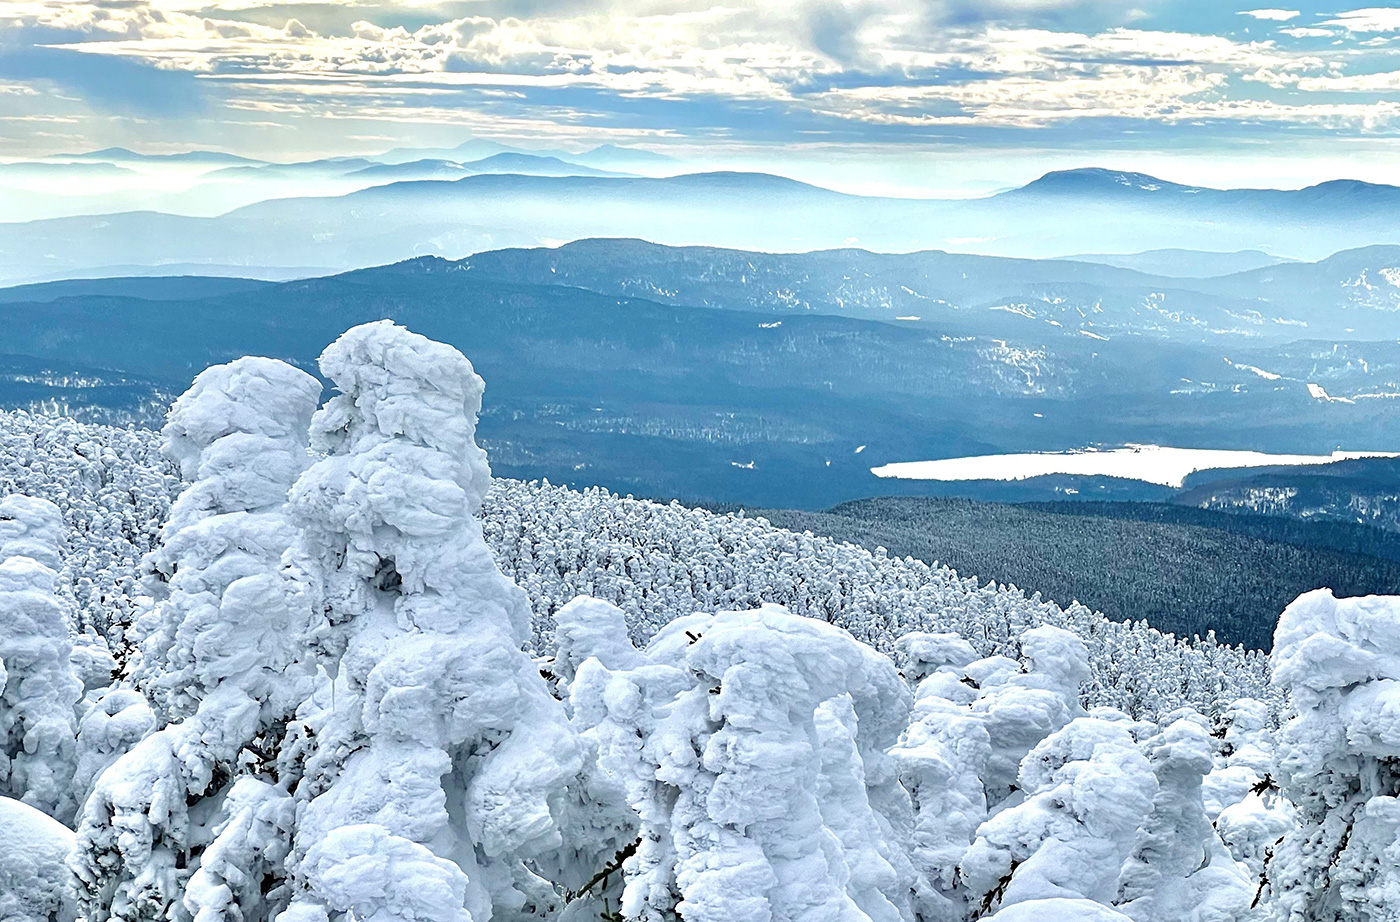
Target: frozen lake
[1151,463]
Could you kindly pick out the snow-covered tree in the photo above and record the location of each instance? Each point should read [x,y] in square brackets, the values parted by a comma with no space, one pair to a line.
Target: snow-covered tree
[973,724]
[1241,795]
[438,757]
[238,437]
[921,654]
[31,527]
[35,885]
[599,825]
[39,691]
[1179,870]
[116,721]
[726,740]
[219,650]
[114,490]
[1338,660]
[1088,788]
[942,756]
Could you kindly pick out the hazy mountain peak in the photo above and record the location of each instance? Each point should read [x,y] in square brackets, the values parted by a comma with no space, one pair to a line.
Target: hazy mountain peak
[534,164]
[1097,180]
[126,154]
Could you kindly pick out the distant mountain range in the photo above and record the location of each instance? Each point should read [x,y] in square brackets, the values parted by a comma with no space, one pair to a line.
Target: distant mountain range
[1351,295]
[123,155]
[743,376]
[1176,262]
[209,183]
[1072,211]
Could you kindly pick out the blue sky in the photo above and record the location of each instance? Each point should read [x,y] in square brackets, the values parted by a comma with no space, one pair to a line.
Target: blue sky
[938,95]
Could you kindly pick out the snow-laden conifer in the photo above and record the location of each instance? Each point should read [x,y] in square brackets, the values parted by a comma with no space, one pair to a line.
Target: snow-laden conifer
[39,691]
[218,653]
[1087,790]
[1241,795]
[438,757]
[1179,870]
[726,739]
[1339,759]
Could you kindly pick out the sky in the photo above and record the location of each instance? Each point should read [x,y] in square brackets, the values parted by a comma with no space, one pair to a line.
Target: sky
[922,96]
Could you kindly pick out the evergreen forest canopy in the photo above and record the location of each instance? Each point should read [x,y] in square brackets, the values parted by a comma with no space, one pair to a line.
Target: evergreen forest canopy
[305,662]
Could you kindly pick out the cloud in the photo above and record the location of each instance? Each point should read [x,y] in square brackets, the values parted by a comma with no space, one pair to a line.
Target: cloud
[1272,15]
[851,68]
[110,83]
[1373,19]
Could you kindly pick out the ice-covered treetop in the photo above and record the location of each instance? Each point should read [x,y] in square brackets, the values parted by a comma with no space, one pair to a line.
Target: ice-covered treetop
[238,436]
[1324,643]
[396,385]
[251,396]
[31,527]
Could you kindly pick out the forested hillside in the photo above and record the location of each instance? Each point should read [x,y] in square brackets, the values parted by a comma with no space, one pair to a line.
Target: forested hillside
[740,402]
[1183,570]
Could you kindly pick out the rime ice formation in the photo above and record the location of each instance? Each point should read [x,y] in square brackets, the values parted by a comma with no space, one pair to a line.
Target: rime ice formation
[733,736]
[35,885]
[219,648]
[442,755]
[1339,661]
[1179,870]
[38,691]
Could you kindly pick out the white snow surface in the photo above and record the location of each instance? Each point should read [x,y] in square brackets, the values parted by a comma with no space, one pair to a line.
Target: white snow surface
[35,885]
[1151,463]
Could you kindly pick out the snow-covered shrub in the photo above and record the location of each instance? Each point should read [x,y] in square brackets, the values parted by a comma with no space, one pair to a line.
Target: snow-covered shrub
[733,740]
[33,528]
[1339,759]
[1241,795]
[35,885]
[920,654]
[218,652]
[117,720]
[439,757]
[1088,789]
[1179,870]
[972,725]
[39,691]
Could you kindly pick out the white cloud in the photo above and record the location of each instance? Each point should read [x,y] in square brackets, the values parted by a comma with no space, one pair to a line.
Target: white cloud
[892,63]
[1386,82]
[1372,19]
[1272,15]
